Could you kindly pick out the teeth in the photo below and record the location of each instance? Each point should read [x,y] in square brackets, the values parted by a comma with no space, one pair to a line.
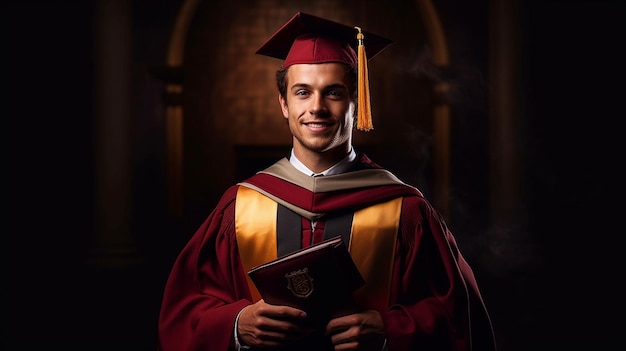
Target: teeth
[315,125]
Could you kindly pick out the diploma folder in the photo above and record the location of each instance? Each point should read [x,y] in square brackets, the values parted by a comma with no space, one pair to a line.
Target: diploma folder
[319,279]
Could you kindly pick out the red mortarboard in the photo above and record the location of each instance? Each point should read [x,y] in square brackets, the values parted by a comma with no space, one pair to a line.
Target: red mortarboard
[310,39]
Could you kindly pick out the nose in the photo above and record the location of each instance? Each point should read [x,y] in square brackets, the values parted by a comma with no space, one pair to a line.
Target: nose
[318,106]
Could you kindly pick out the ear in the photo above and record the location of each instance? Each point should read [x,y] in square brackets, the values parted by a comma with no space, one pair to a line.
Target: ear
[283,106]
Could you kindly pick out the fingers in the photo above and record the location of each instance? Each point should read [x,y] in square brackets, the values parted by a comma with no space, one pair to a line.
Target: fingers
[359,331]
[280,312]
[265,325]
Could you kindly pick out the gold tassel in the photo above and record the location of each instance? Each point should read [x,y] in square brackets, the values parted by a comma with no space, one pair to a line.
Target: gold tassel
[364,117]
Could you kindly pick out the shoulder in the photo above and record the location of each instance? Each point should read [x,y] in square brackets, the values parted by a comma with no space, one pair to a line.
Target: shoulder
[228,198]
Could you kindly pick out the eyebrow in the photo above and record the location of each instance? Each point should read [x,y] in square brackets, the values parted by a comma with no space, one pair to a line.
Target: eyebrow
[332,86]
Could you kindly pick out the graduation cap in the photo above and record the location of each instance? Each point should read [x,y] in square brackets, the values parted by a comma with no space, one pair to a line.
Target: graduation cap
[307,39]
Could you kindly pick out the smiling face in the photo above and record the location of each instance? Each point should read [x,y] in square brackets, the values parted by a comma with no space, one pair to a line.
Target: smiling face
[320,110]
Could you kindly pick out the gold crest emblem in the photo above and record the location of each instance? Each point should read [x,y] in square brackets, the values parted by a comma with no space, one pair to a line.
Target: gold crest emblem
[300,283]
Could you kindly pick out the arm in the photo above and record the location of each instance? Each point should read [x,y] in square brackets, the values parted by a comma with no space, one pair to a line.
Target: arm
[206,287]
[435,302]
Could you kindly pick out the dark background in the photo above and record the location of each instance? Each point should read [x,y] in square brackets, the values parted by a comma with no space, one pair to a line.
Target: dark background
[567,294]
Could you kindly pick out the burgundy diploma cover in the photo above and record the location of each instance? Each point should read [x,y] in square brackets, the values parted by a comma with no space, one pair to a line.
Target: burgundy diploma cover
[318,279]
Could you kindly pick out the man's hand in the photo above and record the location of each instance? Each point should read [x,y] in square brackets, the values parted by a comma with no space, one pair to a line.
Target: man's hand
[359,331]
[263,325]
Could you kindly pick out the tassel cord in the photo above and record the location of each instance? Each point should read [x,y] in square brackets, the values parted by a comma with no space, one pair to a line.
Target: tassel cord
[364,116]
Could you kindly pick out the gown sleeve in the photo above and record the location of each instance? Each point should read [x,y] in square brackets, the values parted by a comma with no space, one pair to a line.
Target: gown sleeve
[205,289]
[435,301]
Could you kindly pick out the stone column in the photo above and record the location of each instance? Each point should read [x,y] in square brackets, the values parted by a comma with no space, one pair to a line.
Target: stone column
[506,127]
[112,244]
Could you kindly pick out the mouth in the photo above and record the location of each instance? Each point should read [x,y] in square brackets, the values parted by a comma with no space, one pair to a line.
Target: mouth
[317,126]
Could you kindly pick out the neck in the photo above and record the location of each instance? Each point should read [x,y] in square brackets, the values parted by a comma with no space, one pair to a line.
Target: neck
[321,161]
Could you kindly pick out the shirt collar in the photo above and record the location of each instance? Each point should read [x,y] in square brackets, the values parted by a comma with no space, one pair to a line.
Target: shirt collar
[339,167]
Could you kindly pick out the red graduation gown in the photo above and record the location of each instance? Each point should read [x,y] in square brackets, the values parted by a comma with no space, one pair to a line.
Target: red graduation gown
[434,300]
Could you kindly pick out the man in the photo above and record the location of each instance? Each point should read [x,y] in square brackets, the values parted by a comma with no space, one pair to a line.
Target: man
[419,292]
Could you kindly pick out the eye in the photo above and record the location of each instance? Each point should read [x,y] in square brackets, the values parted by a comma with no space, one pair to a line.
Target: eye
[302,93]
[335,94]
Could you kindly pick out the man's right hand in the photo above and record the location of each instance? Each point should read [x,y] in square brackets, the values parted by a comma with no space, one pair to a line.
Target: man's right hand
[263,325]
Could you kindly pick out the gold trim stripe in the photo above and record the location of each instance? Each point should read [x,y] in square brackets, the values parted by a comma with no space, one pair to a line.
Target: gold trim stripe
[373,247]
[255,217]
